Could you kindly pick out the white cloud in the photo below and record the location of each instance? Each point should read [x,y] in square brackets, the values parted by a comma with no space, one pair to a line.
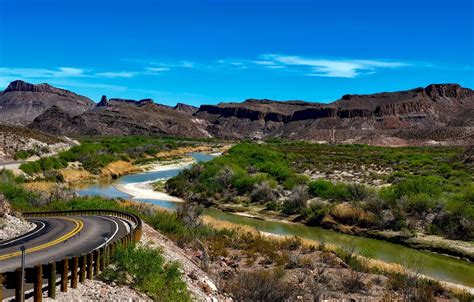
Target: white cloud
[61,72]
[157,69]
[264,62]
[117,74]
[70,72]
[341,68]
[179,64]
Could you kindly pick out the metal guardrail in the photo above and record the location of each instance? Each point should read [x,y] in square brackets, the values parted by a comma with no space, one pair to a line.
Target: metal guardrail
[71,269]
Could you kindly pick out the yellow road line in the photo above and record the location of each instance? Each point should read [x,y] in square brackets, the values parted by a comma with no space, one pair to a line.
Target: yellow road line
[78,227]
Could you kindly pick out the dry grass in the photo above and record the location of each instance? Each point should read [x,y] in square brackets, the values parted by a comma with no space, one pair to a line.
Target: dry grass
[348,214]
[118,168]
[40,186]
[370,264]
[75,175]
[182,151]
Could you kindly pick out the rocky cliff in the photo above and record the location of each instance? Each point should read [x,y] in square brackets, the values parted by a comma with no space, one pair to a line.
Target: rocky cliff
[439,113]
[122,117]
[21,102]
[436,114]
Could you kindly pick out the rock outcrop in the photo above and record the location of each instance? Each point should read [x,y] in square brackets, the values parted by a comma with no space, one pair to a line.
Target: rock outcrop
[186,108]
[122,117]
[11,224]
[21,102]
[16,138]
[439,112]
[103,102]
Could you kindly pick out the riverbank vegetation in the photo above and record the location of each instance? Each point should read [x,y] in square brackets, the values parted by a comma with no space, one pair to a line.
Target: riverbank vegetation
[95,153]
[409,190]
[240,258]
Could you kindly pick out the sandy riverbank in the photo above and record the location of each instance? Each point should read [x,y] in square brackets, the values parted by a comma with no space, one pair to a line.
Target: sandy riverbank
[144,190]
[172,165]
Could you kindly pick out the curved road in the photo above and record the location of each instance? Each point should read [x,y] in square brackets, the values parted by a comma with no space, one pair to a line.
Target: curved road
[58,237]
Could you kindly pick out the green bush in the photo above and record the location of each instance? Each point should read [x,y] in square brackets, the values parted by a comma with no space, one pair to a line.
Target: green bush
[328,190]
[23,154]
[315,213]
[31,168]
[429,185]
[418,203]
[149,273]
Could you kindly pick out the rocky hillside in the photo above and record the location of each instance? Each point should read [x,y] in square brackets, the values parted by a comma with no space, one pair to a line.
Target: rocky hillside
[439,113]
[15,140]
[11,223]
[21,102]
[122,117]
[436,114]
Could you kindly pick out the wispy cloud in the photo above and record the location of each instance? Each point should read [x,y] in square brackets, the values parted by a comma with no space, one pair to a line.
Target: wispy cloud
[178,64]
[116,74]
[71,72]
[61,72]
[157,69]
[321,67]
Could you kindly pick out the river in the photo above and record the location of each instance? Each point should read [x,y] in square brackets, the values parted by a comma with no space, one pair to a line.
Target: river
[434,265]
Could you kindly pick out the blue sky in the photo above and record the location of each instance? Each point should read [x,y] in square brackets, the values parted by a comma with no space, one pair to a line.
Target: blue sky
[209,51]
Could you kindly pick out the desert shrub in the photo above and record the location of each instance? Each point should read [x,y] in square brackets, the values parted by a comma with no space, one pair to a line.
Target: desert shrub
[43,165]
[315,213]
[263,193]
[319,187]
[350,215]
[418,203]
[224,177]
[414,288]
[328,190]
[23,154]
[455,224]
[357,192]
[413,185]
[259,285]
[375,204]
[31,168]
[294,180]
[244,183]
[188,213]
[296,201]
[146,270]
[272,206]
[352,281]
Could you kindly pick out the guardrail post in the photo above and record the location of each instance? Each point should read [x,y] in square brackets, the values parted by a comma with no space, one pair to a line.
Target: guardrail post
[107,255]
[64,274]
[75,267]
[102,258]
[19,295]
[52,280]
[97,262]
[90,263]
[82,270]
[38,283]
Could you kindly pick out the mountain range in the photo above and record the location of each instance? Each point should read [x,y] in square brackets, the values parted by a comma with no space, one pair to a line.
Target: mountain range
[436,114]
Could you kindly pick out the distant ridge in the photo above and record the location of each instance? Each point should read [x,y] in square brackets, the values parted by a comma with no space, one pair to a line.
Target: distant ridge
[436,114]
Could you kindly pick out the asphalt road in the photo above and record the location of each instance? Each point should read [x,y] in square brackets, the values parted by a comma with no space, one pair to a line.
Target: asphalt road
[58,237]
